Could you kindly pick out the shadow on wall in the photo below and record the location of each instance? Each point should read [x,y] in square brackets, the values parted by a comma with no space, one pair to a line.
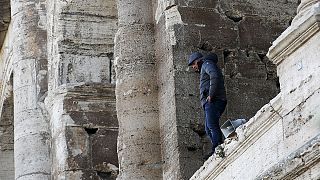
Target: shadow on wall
[6,133]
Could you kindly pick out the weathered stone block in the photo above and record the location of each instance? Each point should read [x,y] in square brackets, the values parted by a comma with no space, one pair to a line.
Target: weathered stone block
[4,19]
[250,95]
[104,148]
[77,68]
[302,123]
[78,146]
[202,27]
[299,74]
[275,9]
[258,33]
[7,165]
[24,155]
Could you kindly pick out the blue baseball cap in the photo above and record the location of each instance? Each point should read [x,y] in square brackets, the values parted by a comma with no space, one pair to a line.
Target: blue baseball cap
[194,56]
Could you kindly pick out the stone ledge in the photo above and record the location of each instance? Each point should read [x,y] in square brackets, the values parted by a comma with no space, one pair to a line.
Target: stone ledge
[296,163]
[247,134]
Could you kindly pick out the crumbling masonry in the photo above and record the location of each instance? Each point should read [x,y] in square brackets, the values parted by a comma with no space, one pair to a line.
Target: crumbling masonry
[100,89]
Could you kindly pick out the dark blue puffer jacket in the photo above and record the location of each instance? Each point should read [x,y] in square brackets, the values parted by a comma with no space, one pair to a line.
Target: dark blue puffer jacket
[211,80]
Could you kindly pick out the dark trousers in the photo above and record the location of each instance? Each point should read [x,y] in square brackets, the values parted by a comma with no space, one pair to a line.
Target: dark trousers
[213,111]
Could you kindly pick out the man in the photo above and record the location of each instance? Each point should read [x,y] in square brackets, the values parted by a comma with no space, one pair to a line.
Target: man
[212,94]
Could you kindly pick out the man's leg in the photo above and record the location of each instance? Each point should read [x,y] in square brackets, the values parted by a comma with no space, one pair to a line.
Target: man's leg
[213,113]
[206,125]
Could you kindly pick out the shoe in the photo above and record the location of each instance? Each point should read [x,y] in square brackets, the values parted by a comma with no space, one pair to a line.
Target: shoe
[219,151]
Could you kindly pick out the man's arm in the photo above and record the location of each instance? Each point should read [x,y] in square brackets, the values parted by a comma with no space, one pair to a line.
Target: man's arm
[210,69]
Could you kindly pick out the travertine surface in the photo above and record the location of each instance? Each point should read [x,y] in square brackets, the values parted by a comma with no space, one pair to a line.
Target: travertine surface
[81,97]
[240,33]
[139,145]
[4,19]
[6,135]
[161,132]
[29,57]
[284,145]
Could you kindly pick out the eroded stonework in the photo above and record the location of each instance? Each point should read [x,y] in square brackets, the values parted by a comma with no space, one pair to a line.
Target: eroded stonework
[101,89]
[282,140]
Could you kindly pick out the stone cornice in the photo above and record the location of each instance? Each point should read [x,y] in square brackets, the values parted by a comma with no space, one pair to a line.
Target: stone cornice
[303,27]
[248,134]
[296,163]
[304,4]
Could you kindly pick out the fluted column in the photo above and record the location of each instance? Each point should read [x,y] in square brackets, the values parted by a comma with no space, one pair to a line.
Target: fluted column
[136,92]
[31,128]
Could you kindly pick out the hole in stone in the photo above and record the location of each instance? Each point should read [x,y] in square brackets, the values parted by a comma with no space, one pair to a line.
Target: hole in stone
[199,129]
[233,17]
[226,53]
[91,131]
[261,56]
[290,21]
[104,175]
[206,46]
[191,148]
[278,84]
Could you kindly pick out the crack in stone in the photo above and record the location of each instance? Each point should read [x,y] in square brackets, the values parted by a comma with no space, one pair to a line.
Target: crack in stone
[169,7]
[35,173]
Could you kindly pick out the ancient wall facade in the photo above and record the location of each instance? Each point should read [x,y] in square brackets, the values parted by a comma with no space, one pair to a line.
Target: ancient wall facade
[68,100]
[282,140]
[239,32]
[58,114]
[6,98]
[81,97]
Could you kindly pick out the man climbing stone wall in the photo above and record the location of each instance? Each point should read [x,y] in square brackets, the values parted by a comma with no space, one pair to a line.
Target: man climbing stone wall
[240,32]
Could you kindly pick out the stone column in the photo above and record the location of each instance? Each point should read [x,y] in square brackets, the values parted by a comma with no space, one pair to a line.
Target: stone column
[137,93]
[81,98]
[31,132]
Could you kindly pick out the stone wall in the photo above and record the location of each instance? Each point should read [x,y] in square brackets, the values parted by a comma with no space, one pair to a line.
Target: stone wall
[6,98]
[6,134]
[63,84]
[81,99]
[240,32]
[62,92]
[5,17]
[6,139]
[282,140]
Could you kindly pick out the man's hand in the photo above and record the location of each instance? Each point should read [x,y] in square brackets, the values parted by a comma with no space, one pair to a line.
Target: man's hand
[209,99]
